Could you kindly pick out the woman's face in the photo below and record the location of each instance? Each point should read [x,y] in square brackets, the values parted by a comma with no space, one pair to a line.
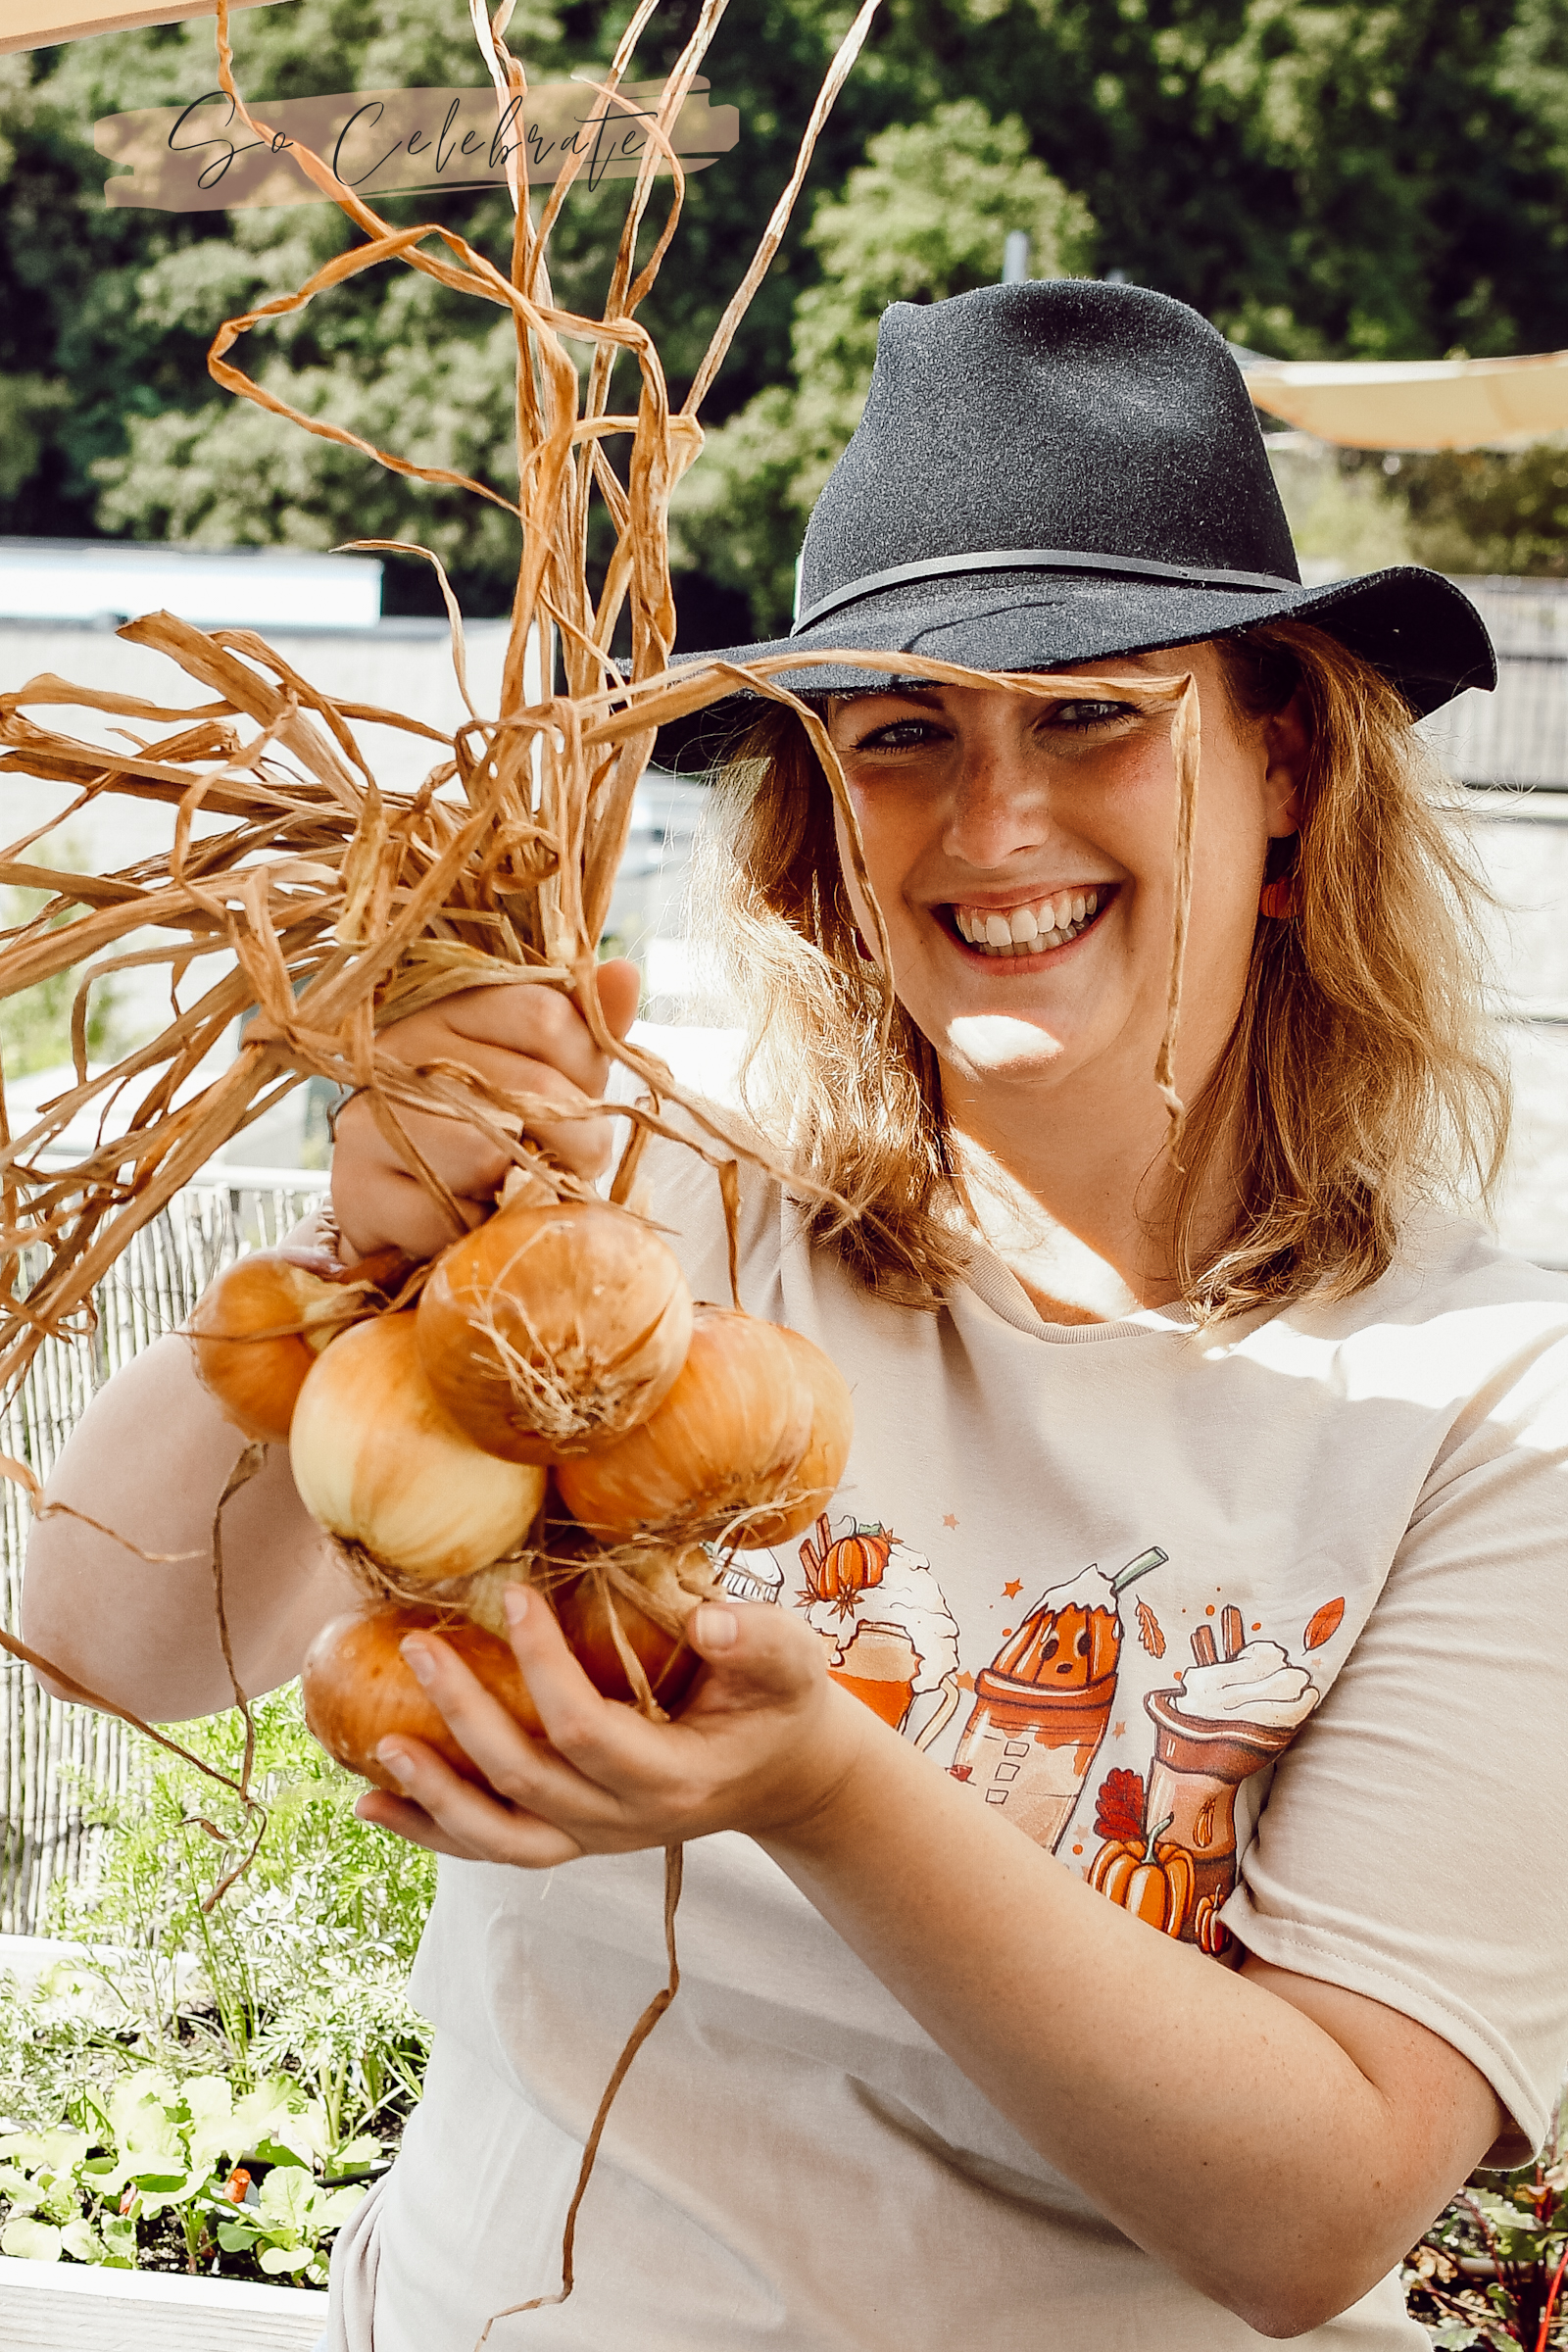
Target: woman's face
[1022,851]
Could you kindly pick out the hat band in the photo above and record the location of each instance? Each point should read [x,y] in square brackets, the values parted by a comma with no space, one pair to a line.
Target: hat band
[1036,558]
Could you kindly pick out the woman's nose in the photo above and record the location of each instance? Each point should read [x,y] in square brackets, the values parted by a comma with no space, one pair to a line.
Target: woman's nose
[1000,806]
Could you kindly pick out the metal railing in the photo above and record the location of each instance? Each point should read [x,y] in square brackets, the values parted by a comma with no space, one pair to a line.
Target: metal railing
[49,1751]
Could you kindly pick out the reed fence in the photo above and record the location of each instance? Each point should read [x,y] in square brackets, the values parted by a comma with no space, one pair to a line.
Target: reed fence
[52,1754]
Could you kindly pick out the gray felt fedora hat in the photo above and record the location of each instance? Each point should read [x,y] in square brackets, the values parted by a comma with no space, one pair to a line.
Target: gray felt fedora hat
[1053,472]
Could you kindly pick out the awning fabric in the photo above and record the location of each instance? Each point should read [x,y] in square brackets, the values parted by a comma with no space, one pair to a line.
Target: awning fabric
[36,24]
[1417,404]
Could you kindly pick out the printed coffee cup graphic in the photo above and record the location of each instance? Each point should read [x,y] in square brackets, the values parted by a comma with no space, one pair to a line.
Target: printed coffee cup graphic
[1043,1706]
[881,1611]
[1232,1715]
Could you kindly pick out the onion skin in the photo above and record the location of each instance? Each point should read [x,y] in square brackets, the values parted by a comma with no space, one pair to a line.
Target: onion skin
[727,1440]
[586,1302]
[358,1691]
[668,1659]
[814,1479]
[378,1462]
[256,1382]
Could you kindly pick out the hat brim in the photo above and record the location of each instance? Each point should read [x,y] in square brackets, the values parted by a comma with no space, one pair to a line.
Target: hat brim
[1413,625]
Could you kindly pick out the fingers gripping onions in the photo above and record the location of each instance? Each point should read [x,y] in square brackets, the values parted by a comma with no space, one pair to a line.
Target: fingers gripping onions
[380,1465]
[728,1439]
[358,1689]
[553,1330]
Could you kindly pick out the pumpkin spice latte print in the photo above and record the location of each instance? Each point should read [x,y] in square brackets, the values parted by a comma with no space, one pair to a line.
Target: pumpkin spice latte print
[1043,1706]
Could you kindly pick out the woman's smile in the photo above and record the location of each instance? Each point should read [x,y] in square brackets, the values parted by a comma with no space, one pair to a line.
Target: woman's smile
[1025,931]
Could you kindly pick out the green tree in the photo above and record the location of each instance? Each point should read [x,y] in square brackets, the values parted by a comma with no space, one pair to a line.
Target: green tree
[1333,177]
[926,217]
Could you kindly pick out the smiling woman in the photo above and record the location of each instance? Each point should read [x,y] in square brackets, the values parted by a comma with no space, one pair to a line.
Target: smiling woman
[1021,852]
[1062,1964]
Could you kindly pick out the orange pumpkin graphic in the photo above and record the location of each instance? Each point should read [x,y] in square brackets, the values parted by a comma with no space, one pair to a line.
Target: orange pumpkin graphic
[1062,1649]
[1148,1876]
[840,1572]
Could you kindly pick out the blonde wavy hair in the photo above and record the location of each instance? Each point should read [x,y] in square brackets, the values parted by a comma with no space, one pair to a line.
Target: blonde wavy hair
[1363,1074]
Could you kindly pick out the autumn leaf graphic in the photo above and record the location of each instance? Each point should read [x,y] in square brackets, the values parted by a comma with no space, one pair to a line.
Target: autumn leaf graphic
[1149,1632]
[1119,1806]
[1325,1624]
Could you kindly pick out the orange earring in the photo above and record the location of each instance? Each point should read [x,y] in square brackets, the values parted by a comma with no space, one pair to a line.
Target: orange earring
[1277,898]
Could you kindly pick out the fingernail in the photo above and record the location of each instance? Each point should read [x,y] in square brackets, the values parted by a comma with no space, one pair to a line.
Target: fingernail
[716,1629]
[418,1657]
[396,1762]
[515,1600]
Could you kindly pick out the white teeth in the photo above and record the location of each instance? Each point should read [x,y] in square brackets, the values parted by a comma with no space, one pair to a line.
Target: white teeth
[1028,930]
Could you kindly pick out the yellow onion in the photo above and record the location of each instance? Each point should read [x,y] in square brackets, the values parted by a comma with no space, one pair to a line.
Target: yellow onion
[380,1463]
[358,1689]
[814,1478]
[553,1330]
[726,1441]
[260,1325]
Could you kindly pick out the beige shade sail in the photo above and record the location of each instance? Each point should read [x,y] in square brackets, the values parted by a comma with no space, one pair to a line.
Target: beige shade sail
[1417,404]
[36,24]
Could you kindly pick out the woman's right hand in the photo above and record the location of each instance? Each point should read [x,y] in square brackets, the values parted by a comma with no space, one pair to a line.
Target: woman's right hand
[527,1040]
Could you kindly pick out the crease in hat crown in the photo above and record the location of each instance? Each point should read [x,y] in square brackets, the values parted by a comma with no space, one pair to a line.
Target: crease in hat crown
[1063,425]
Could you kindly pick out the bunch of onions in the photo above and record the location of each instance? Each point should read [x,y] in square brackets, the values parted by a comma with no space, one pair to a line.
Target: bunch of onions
[747,1448]
[556,1341]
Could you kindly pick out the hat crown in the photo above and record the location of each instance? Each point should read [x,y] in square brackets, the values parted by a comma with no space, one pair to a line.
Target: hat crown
[1062,414]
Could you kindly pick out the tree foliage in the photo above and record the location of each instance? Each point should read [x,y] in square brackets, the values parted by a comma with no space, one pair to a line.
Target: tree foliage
[1318,176]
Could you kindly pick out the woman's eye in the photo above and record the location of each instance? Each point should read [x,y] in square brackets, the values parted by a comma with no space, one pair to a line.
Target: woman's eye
[900,735]
[1078,716]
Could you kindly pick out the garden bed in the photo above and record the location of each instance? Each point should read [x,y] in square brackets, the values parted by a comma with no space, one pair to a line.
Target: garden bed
[68,2308]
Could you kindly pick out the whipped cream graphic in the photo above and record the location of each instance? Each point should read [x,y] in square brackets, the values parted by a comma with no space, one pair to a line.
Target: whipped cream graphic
[1259,1684]
[903,1598]
[910,1600]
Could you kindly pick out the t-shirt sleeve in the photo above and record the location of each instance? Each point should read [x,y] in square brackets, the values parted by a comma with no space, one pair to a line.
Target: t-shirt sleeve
[1414,1844]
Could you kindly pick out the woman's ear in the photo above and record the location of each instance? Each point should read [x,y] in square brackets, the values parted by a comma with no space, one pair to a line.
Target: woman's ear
[1287,747]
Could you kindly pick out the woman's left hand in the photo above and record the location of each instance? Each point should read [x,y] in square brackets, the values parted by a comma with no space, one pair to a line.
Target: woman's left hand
[765,1743]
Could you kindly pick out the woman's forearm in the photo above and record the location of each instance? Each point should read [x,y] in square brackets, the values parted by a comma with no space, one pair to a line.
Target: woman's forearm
[149,1460]
[1224,2130]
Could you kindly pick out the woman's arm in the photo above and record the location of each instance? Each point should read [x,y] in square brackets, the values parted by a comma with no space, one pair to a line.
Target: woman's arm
[1277,2141]
[150,1458]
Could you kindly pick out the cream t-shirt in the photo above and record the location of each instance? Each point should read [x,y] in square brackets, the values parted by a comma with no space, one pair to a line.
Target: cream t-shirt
[1262,1629]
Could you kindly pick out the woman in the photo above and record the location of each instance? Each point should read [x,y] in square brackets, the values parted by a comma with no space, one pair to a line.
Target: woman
[1117,1910]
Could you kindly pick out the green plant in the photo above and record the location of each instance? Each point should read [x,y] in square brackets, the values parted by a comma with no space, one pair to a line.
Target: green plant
[302,1963]
[198,2085]
[1491,2271]
[152,2148]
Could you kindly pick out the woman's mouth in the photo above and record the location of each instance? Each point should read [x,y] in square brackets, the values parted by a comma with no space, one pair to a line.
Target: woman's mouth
[1034,926]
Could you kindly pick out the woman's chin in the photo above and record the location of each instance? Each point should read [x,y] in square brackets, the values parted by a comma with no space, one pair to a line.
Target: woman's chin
[989,1044]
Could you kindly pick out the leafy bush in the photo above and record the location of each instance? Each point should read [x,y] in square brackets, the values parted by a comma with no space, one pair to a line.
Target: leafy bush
[1489,2271]
[158,2147]
[211,2088]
